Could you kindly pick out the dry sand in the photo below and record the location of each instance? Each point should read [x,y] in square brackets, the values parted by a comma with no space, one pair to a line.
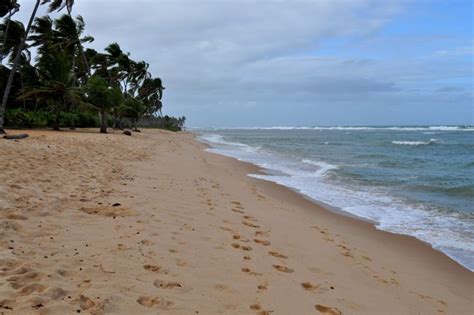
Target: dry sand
[152,224]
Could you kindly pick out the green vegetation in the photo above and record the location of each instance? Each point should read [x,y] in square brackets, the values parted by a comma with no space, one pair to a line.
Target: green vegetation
[67,84]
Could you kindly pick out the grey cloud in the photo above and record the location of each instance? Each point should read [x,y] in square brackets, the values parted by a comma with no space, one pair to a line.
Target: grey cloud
[245,62]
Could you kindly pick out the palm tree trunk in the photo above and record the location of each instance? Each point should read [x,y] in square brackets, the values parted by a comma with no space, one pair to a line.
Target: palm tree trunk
[8,87]
[56,122]
[21,83]
[103,121]
[86,63]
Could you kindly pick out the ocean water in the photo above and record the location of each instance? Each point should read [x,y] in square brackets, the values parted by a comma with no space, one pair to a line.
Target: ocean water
[417,181]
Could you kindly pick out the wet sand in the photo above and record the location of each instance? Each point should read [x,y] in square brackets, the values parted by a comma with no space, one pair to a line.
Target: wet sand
[152,223]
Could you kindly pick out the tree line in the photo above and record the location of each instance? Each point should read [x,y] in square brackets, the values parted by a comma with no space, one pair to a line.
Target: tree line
[67,84]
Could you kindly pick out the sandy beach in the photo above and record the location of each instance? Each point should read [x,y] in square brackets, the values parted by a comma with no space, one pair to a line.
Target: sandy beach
[153,224]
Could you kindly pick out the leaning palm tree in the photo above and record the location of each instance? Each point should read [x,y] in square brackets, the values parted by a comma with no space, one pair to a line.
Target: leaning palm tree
[69,38]
[11,40]
[103,98]
[9,7]
[132,109]
[43,35]
[58,5]
[151,93]
[54,5]
[138,75]
[56,88]
[16,62]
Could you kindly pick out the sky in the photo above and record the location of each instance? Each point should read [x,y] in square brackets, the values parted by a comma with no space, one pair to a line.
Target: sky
[247,63]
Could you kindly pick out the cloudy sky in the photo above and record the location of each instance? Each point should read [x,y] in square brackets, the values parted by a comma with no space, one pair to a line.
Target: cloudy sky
[297,62]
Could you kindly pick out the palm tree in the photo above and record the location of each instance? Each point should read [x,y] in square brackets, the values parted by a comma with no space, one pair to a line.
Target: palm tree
[11,44]
[57,88]
[63,33]
[16,61]
[68,33]
[43,34]
[58,5]
[9,7]
[151,93]
[103,98]
[113,56]
[132,109]
[54,5]
[12,40]
[139,73]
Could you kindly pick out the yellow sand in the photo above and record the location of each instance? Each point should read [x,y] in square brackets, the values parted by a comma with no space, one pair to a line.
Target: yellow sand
[190,233]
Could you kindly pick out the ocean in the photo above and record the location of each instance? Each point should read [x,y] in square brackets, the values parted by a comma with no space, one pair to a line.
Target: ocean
[417,181]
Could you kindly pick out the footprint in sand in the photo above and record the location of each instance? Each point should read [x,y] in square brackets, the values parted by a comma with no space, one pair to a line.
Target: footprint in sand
[238,211]
[86,303]
[250,272]
[32,288]
[262,233]
[283,268]
[237,205]
[308,286]
[24,277]
[262,242]
[277,254]
[239,238]
[237,246]
[259,310]
[166,285]
[250,224]
[326,310]
[153,268]
[250,218]
[263,286]
[148,301]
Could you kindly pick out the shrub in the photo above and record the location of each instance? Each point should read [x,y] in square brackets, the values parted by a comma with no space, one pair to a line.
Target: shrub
[18,118]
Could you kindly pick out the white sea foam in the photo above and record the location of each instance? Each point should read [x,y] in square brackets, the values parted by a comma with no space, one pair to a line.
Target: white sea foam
[431,141]
[359,128]
[323,167]
[218,139]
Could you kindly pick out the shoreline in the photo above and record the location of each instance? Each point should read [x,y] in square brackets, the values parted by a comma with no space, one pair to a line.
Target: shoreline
[328,207]
[255,169]
[154,223]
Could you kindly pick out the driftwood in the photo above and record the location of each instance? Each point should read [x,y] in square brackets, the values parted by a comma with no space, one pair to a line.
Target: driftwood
[15,137]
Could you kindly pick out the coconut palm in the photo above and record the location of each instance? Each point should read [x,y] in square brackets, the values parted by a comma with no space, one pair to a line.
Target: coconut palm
[139,73]
[7,7]
[151,93]
[54,5]
[56,88]
[11,40]
[16,62]
[68,36]
[132,109]
[58,5]
[103,98]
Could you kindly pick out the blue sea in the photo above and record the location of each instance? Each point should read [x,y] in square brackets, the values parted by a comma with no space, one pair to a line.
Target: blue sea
[417,181]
